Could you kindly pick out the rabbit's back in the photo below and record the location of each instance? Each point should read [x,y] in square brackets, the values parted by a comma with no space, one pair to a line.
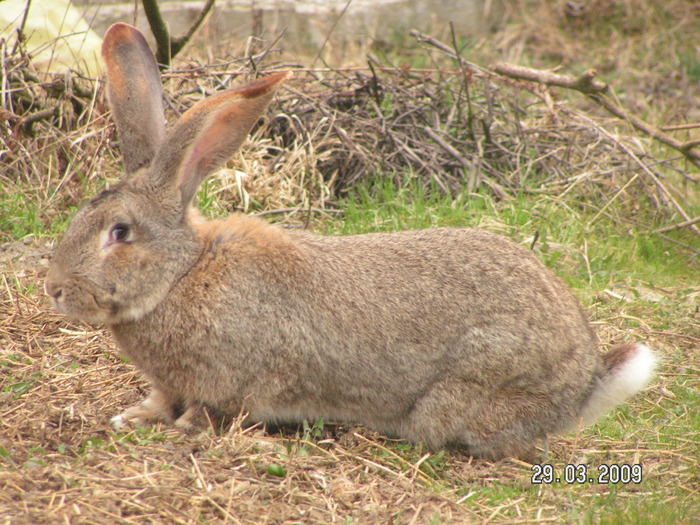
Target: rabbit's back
[433,284]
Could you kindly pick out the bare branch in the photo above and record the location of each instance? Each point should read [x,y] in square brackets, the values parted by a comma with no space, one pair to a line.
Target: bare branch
[678,226]
[586,83]
[178,43]
[685,148]
[168,48]
[444,48]
[595,90]
[159,29]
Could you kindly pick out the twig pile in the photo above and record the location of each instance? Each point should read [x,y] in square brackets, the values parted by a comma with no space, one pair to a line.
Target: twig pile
[452,128]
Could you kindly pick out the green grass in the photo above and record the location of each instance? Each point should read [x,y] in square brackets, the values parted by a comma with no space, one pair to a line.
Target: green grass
[25,213]
[19,215]
[591,255]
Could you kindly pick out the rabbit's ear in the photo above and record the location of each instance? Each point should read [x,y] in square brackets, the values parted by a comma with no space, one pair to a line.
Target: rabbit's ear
[135,94]
[209,133]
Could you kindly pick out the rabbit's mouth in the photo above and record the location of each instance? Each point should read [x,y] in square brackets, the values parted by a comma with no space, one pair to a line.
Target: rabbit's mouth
[80,303]
[88,309]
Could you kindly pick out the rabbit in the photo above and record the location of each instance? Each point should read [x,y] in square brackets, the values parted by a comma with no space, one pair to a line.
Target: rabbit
[448,337]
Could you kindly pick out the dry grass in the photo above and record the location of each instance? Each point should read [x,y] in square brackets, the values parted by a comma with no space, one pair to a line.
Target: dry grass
[61,463]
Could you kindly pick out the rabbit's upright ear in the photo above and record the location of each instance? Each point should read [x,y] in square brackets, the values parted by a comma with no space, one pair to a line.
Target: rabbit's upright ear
[135,94]
[209,133]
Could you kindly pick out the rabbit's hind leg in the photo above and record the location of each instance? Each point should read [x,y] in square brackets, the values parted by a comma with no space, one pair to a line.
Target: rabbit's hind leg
[156,407]
[467,415]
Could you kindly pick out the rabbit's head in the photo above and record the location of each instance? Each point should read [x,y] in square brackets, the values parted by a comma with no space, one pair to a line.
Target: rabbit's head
[126,247]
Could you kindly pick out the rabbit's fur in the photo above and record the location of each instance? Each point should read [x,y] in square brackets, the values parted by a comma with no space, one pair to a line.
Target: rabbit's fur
[447,336]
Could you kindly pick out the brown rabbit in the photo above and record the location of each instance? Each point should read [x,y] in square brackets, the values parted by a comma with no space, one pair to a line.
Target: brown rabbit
[453,337]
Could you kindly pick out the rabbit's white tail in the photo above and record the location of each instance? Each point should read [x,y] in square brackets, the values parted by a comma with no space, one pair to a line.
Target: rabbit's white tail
[629,369]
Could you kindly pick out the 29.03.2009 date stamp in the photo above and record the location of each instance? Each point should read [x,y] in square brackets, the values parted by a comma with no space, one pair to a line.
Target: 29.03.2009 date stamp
[580,474]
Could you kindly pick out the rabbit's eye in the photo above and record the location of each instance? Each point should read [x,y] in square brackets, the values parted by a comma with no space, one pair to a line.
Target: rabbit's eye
[119,233]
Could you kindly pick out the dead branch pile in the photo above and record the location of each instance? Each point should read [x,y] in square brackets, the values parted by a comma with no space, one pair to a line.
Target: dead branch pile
[452,128]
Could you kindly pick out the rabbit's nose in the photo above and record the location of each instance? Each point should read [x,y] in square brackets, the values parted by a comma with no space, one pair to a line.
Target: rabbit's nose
[54,284]
[53,290]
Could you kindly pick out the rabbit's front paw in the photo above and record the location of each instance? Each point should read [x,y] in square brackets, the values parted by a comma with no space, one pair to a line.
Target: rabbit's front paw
[121,421]
[135,416]
[156,407]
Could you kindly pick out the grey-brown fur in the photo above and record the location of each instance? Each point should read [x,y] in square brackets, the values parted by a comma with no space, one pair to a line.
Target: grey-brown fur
[447,336]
